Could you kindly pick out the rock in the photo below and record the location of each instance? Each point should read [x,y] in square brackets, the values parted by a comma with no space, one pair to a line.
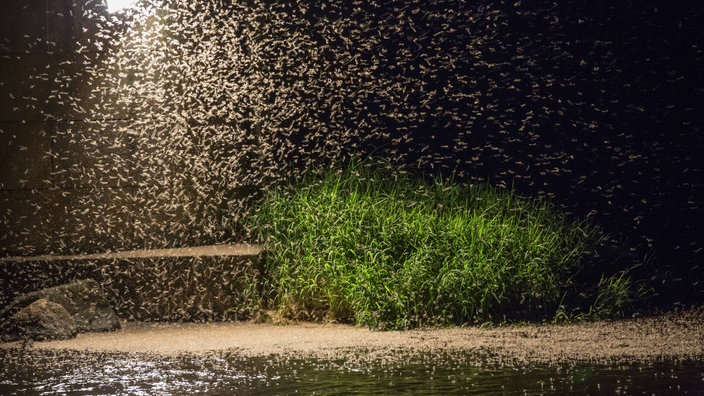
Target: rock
[86,302]
[43,320]
[82,300]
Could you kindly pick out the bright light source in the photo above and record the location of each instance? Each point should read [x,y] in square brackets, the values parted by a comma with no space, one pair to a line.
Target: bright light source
[117,5]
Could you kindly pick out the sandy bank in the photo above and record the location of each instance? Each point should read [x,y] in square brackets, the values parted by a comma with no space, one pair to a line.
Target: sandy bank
[677,335]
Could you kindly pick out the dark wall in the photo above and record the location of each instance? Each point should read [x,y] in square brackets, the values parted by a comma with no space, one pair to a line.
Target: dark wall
[56,191]
[87,164]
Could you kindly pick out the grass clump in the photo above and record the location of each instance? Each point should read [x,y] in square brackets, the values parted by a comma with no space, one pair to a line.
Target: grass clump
[381,248]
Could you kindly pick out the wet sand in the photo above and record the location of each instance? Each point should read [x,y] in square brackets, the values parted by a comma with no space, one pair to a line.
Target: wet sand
[675,335]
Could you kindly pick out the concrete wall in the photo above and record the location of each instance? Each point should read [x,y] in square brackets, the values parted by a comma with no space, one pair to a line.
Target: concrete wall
[47,175]
[76,163]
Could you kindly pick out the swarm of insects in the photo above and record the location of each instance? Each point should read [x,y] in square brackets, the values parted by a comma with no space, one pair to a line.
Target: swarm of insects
[182,112]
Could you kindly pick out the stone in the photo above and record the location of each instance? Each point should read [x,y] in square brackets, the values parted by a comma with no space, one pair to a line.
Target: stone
[84,302]
[87,304]
[43,320]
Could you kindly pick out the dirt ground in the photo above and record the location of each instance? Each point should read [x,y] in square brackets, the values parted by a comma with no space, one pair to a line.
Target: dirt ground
[674,335]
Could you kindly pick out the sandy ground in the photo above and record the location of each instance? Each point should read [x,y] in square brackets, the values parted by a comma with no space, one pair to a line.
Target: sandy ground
[677,335]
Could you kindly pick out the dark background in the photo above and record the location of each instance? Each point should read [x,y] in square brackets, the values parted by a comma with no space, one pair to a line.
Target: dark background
[597,106]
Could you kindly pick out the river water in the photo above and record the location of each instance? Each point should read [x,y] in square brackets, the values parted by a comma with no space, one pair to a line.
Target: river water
[45,372]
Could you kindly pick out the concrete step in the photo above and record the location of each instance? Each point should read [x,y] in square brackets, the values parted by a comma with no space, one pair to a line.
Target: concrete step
[204,283]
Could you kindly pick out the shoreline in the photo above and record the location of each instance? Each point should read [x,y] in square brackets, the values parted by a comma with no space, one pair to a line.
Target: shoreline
[677,335]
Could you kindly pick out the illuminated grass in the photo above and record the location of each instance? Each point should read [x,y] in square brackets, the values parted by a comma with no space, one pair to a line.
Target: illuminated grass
[384,249]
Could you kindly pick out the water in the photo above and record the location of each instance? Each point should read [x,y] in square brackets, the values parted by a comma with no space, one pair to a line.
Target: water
[225,373]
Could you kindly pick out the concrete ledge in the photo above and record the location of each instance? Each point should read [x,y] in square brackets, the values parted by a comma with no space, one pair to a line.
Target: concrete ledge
[205,283]
[198,251]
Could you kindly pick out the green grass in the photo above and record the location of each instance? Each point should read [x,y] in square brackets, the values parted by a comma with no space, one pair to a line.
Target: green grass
[381,248]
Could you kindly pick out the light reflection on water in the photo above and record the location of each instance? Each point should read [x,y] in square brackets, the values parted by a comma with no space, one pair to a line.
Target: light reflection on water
[47,372]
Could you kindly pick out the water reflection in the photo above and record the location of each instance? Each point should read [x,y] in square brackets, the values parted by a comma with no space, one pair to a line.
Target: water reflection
[50,372]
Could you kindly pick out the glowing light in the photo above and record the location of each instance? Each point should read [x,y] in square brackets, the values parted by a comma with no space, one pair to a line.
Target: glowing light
[117,5]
